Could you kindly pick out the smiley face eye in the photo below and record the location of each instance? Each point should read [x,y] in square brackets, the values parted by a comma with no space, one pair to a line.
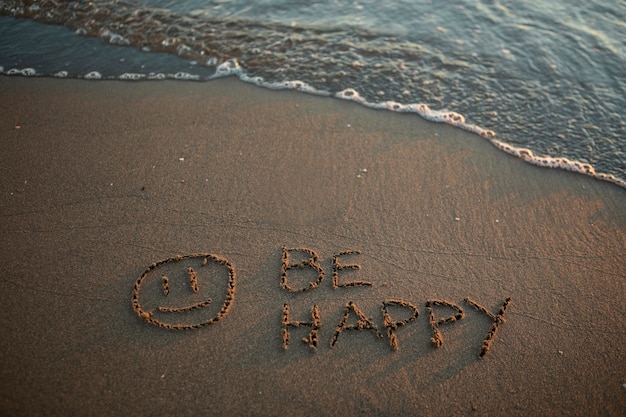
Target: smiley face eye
[165,281]
[193,279]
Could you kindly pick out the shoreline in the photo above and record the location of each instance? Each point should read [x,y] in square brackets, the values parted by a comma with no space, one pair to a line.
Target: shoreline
[107,182]
[228,69]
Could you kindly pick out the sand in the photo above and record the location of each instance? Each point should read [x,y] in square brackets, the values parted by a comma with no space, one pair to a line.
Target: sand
[308,222]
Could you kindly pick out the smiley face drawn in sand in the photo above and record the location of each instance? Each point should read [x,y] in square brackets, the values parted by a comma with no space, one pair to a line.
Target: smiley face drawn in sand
[176,293]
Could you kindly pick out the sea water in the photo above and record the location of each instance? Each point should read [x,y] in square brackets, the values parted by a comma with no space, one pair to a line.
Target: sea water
[545,81]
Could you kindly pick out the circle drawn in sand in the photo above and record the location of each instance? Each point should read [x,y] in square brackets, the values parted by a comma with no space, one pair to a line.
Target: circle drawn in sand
[175,293]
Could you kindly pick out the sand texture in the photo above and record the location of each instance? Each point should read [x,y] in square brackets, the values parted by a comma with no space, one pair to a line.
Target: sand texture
[215,249]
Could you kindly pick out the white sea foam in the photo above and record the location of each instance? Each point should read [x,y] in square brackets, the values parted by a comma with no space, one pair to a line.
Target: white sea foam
[93,75]
[285,85]
[253,80]
[388,105]
[439,116]
[25,72]
[226,68]
[551,162]
[61,74]
[352,95]
[156,76]
[114,38]
[544,161]
[132,76]
[185,76]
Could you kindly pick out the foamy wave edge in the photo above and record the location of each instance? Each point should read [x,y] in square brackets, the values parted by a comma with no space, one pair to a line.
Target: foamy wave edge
[458,120]
[232,68]
[95,75]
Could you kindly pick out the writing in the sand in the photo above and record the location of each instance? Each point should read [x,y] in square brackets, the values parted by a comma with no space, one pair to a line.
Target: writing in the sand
[199,275]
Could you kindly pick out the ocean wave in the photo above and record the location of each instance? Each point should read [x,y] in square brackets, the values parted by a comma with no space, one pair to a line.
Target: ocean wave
[542,113]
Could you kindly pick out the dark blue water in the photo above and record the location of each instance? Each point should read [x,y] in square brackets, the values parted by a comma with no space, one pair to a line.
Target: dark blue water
[543,81]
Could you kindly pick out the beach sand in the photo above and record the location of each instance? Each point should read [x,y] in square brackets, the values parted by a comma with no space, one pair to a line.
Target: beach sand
[100,180]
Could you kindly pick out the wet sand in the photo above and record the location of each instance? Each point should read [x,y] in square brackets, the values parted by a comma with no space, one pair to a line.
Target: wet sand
[359,261]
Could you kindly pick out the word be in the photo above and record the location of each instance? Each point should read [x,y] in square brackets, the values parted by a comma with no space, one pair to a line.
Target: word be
[312,262]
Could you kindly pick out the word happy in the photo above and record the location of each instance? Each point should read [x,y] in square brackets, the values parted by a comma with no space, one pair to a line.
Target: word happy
[296,263]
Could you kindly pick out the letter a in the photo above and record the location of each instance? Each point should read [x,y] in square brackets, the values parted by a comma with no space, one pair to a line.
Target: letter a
[363,324]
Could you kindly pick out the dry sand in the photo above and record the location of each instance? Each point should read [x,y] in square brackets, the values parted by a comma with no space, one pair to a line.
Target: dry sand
[102,179]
